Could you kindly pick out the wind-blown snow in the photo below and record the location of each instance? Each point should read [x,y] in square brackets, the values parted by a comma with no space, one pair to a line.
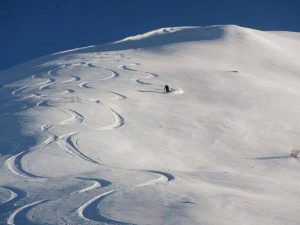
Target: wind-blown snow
[88,136]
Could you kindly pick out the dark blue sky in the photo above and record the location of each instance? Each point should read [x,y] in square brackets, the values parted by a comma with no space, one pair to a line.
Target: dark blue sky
[33,28]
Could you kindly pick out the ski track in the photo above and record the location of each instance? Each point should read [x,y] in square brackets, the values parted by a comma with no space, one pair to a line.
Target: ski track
[117,96]
[120,56]
[78,64]
[150,75]
[67,91]
[90,211]
[71,147]
[66,141]
[50,72]
[139,80]
[75,116]
[15,92]
[85,85]
[97,183]
[15,166]
[8,206]
[21,213]
[76,78]
[36,95]
[13,194]
[72,79]
[51,137]
[169,177]
[118,121]
[164,178]
[43,103]
[91,65]
[96,100]
[142,82]
[68,81]
[125,67]
[69,143]
[113,74]
[47,84]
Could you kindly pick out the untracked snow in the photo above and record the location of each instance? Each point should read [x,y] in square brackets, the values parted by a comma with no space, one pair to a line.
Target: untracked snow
[88,136]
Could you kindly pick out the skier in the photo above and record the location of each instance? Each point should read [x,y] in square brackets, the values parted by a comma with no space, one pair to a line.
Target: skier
[167,88]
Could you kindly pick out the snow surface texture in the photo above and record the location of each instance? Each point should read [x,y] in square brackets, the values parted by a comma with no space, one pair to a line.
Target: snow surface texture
[88,136]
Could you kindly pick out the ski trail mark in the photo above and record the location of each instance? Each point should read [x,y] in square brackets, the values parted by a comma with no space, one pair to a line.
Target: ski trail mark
[43,103]
[169,177]
[163,178]
[90,211]
[51,137]
[22,211]
[125,67]
[117,96]
[68,81]
[15,166]
[139,80]
[97,183]
[75,116]
[17,91]
[113,74]
[72,79]
[85,85]
[76,78]
[67,91]
[96,100]
[118,121]
[50,72]
[91,65]
[142,82]
[36,95]
[12,193]
[16,195]
[47,84]
[71,147]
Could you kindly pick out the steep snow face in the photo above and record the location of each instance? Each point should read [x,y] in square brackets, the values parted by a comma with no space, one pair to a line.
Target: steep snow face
[88,136]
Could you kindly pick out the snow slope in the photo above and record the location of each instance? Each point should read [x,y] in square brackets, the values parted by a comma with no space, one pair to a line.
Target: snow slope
[89,137]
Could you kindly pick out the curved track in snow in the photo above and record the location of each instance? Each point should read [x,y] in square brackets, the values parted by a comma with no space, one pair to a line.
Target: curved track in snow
[117,96]
[19,90]
[14,164]
[118,121]
[97,183]
[43,103]
[47,84]
[75,117]
[113,74]
[7,207]
[51,137]
[20,214]
[70,145]
[164,178]
[139,80]
[51,72]
[90,211]
[85,85]
[72,79]
[67,91]
[12,192]
[168,177]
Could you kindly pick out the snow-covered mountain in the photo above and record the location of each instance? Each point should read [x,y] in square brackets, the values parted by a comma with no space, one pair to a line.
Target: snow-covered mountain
[88,136]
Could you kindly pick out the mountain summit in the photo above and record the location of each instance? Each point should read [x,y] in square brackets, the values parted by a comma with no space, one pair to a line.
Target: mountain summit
[89,135]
